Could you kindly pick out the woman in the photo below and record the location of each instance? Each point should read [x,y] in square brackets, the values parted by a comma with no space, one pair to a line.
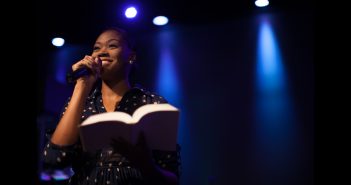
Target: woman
[107,89]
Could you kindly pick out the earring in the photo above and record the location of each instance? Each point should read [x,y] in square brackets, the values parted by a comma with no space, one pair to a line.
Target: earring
[131,61]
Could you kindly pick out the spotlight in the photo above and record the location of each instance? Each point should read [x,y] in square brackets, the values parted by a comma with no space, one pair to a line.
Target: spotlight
[130,12]
[160,20]
[261,3]
[58,42]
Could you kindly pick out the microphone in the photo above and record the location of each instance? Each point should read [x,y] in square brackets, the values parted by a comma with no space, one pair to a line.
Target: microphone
[73,76]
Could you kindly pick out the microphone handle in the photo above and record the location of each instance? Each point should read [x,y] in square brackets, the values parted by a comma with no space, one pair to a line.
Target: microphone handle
[73,76]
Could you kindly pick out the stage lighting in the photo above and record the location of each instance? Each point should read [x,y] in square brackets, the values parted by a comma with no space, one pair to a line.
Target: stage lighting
[58,42]
[160,20]
[130,12]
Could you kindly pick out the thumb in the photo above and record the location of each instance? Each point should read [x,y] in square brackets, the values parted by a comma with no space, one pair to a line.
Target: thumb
[98,66]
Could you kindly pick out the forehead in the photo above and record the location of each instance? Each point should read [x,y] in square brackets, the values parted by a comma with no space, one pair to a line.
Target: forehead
[108,35]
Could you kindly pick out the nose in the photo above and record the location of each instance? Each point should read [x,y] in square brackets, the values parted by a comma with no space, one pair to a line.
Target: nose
[103,54]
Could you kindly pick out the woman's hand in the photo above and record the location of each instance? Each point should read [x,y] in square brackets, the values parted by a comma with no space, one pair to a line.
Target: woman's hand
[93,64]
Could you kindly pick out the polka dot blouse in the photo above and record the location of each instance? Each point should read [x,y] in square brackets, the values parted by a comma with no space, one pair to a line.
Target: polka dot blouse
[105,167]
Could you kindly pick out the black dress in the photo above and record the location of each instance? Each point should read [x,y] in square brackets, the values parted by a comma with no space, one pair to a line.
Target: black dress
[105,167]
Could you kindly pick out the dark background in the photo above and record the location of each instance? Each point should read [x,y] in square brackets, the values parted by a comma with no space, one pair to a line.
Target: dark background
[226,136]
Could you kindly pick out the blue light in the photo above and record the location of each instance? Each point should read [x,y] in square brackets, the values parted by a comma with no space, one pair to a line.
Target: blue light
[131,12]
[160,20]
[62,63]
[44,176]
[59,175]
[169,84]
[167,74]
[269,66]
[58,42]
[275,130]
[261,3]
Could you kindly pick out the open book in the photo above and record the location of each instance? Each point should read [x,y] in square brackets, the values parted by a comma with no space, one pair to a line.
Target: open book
[159,122]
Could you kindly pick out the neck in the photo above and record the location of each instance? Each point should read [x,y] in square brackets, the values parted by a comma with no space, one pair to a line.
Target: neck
[114,88]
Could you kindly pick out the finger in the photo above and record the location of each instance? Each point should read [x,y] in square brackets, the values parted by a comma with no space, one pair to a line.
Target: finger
[99,62]
[87,57]
[97,66]
[81,63]
[78,65]
[88,61]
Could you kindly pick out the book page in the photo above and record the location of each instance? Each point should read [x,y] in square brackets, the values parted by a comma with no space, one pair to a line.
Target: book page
[159,122]
[108,116]
[160,130]
[146,109]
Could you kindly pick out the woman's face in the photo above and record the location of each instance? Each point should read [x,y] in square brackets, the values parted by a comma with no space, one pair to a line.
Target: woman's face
[114,52]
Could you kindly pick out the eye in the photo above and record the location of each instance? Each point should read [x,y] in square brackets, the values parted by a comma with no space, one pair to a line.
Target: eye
[96,48]
[113,46]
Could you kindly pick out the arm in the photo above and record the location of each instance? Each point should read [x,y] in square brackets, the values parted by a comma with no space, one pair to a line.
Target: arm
[66,132]
[61,147]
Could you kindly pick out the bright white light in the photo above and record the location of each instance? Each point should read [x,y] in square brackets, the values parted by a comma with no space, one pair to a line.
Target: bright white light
[58,42]
[130,12]
[261,3]
[160,20]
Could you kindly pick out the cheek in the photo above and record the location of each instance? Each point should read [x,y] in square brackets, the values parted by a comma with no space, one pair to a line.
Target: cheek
[121,56]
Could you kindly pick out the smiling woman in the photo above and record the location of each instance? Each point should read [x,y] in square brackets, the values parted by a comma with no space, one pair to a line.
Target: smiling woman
[106,89]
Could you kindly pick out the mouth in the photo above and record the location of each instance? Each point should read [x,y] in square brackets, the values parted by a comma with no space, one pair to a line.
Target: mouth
[106,60]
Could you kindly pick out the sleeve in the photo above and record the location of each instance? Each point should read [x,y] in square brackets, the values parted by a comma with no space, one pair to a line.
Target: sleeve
[168,160]
[55,155]
[155,99]
[59,156]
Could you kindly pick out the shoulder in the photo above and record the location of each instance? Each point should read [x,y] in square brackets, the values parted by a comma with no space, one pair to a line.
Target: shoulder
[137,97]
[147,96]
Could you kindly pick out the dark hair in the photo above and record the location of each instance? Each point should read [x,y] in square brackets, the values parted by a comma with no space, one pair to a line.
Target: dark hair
[125,36]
